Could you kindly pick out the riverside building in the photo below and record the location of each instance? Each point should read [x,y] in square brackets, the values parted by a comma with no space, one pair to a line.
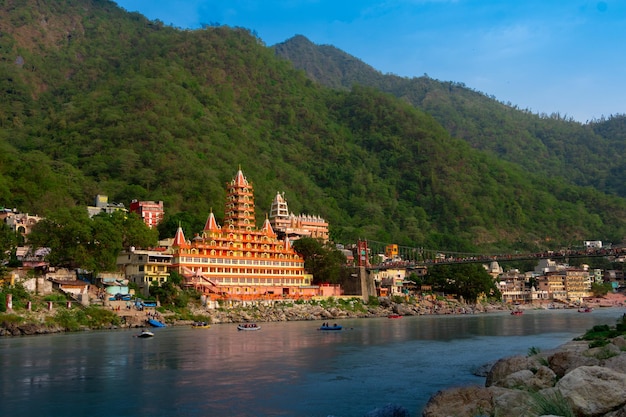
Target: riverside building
[240,262]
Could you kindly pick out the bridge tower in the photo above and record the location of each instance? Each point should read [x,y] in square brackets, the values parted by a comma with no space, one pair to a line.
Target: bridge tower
[362,253]
[367,283]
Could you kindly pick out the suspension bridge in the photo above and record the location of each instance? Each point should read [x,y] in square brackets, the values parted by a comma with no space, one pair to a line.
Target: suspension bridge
[373,254]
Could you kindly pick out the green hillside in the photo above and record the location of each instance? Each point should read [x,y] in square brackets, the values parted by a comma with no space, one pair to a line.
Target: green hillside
[589,154]
[99,101]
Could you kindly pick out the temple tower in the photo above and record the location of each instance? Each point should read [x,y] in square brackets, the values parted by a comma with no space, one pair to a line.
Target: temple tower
[279,207]
[239,211]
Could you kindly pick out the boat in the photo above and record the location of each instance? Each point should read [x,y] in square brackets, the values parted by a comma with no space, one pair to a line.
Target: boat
[201,325]
[585,310]
[248,326]
[329,327]
[394,316]
[155,323]
[145,334]
[517,312]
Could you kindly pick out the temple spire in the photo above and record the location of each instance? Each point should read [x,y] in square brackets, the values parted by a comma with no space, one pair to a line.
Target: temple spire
[267,227]
[179,238]
[211,224]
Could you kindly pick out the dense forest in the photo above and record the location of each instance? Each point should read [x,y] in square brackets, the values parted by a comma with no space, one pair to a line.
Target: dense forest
[554,145]
[96,100]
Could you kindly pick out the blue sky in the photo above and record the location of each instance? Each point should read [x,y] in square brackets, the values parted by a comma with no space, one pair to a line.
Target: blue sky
[548,56]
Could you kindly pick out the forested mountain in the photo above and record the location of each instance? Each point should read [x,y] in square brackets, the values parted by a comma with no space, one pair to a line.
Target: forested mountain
[589,154]
[99,101]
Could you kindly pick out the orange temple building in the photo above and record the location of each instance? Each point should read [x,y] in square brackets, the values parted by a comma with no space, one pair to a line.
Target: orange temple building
[238,261]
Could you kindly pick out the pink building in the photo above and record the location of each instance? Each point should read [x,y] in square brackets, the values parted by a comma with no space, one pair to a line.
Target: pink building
[150,212]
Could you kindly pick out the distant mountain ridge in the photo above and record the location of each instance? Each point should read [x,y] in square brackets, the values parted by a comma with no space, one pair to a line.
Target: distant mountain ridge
[95,100]
[587,155]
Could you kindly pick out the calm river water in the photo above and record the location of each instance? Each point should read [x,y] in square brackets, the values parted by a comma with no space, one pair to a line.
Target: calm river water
[285,369]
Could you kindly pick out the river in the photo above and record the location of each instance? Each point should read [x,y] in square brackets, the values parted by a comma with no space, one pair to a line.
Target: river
[285,369]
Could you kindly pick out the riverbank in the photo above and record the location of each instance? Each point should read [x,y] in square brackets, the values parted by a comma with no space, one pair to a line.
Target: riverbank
[580,378]
[121,314]
[43,321]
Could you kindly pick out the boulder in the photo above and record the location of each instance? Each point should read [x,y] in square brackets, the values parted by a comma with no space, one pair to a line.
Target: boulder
[617,363]
[528,380]
[468,401]
[565,361]
[507,366]
[593,390]
[604,352]
[517,379]
[620,342]
[618,413]
[511,402]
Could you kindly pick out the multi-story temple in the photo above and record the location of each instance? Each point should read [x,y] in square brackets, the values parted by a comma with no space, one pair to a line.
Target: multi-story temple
[239,261]
[294,227]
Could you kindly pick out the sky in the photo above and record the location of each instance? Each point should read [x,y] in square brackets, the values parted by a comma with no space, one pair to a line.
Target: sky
[546,56]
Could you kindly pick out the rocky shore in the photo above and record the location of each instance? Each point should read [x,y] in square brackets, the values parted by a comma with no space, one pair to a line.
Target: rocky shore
[572,380]
[36,323]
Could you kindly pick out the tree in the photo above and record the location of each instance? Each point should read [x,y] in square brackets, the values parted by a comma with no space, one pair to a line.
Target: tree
[466,280]
[322,260]
[600,290]
[8,243]
[67,233]
[77,241]
[134,232]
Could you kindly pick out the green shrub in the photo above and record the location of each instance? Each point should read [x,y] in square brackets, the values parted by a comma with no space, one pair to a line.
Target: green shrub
[11,318]
[550,404]
[55,298]
[598,343]
[606,354]
[532,351]
[373,301]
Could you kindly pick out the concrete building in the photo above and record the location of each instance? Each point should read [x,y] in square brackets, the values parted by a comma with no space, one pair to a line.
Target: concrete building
[21,223]
[145,267]
[102,205]
[151,212]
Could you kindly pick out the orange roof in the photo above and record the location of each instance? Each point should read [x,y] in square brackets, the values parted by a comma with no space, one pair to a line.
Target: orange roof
[179,239]
[211,224]
[240,180]
[267,228]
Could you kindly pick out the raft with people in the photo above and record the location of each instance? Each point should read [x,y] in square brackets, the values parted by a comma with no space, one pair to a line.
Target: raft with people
[327,326]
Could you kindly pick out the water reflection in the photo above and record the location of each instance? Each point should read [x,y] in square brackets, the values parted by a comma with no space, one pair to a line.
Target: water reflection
[289,369]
